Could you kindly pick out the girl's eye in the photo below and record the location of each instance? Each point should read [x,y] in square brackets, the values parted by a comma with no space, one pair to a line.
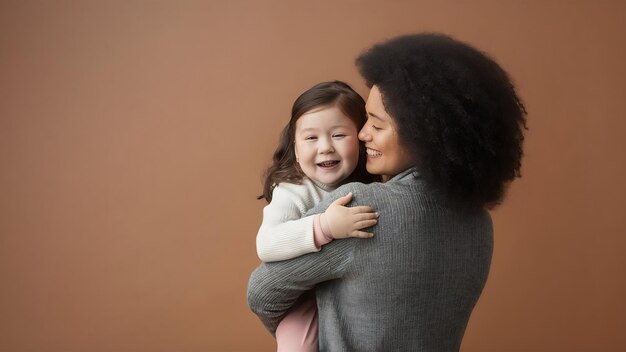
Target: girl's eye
[338,135]
[310,138]
[376,128]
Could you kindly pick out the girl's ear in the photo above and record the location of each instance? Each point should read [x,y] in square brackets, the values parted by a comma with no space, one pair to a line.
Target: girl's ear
[295,150]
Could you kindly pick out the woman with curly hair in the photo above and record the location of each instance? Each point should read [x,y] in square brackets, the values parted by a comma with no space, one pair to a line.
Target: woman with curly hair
[445,132]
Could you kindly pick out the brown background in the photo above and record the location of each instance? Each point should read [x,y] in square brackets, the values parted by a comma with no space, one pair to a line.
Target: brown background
[133,136]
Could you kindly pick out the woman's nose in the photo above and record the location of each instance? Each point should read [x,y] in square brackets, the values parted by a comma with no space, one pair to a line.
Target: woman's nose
[364,134]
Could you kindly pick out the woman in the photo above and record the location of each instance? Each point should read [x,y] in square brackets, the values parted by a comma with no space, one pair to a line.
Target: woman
[445,132]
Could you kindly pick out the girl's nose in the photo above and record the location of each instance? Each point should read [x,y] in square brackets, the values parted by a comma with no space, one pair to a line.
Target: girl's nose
[326,146]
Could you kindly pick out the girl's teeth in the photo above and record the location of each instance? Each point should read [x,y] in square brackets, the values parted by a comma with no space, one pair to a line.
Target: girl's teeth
[328,163]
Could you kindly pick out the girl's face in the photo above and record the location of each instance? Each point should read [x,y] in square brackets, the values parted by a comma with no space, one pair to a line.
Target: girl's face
[385,155]
[326,145]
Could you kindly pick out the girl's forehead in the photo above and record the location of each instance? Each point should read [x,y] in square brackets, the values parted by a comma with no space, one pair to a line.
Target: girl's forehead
[328,117]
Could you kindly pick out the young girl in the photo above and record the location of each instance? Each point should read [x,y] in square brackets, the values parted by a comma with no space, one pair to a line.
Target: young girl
[318,151]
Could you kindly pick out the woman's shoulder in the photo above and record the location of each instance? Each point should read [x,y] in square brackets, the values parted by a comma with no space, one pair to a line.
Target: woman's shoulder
[394,185]
[399,189]
[366,189]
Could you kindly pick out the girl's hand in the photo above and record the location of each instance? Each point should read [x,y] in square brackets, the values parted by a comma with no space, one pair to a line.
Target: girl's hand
[343,222]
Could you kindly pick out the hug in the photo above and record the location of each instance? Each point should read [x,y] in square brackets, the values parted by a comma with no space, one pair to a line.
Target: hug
[377,235]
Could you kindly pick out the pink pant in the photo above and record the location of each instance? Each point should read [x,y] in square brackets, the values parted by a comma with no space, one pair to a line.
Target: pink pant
[297,332]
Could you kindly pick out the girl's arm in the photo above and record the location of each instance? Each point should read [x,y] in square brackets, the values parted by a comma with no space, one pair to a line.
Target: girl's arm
[285,234]
[274,287]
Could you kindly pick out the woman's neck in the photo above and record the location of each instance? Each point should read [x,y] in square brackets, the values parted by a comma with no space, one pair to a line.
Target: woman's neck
[411,170]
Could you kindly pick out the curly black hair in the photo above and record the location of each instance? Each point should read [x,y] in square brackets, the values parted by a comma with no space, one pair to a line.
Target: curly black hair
[456,112]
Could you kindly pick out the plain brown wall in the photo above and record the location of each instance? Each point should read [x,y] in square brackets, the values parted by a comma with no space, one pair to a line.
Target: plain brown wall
[133,135]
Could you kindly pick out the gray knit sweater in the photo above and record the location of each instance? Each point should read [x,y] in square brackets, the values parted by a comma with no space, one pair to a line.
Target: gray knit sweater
[411,287]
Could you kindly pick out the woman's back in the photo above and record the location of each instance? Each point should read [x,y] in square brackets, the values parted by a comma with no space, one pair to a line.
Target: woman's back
[413,286]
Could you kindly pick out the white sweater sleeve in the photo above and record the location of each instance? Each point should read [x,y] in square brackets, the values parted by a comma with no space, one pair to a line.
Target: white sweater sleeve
[284,233]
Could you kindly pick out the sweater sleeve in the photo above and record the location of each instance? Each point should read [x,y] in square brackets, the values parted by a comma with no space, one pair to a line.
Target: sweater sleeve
[274,287]
[285,233]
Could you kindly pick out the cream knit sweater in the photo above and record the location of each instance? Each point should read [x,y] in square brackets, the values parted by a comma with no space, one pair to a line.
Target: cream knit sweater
[286,232]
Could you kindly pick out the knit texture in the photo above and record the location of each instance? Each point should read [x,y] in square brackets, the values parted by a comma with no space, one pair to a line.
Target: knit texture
[286,232]
[411,287]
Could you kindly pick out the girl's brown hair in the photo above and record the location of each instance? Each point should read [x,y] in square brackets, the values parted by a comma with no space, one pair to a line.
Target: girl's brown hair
[284,166]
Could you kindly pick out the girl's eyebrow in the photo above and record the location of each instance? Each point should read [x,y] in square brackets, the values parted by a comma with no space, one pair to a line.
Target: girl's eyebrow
[316,129]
